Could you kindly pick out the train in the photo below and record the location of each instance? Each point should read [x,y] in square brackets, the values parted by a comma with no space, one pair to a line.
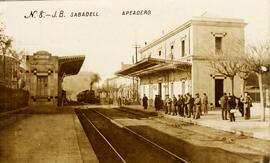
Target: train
[88,96]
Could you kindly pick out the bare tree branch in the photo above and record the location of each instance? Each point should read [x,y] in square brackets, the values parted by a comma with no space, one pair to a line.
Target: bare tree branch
[258,60]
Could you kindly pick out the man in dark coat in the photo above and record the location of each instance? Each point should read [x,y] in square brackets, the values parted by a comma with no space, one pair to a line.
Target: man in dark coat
[223,104]
[191,103]
[157,102]
[145,101]
[247,101]
[240,106]
[231,107]
[180,106]
[185,106]
[120,101]
[174,105]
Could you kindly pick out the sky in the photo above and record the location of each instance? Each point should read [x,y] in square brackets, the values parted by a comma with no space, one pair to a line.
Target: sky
[108,39]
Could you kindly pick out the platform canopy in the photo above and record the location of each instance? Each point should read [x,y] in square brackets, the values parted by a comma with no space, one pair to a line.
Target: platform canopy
[70,65]
[153,65]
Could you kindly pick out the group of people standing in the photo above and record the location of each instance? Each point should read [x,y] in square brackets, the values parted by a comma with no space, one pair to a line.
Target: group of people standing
[188,106]
[183,105]
[230,104]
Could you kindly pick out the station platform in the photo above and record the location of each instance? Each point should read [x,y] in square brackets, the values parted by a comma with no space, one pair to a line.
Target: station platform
[252,127]
[26,136]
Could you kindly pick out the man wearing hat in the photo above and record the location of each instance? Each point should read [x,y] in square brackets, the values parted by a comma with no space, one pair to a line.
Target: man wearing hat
[168,103]
[223,104]
[247,101]
[145,101]
[189,105]
[197,106]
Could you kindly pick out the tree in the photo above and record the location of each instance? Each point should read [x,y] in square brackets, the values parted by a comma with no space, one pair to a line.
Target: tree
[258,59]
[226,61]
[5,45]
[112,89]
[227,65]
[244,72]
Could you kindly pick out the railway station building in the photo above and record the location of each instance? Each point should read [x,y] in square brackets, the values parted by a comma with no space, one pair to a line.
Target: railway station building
[44,77]
[179,61]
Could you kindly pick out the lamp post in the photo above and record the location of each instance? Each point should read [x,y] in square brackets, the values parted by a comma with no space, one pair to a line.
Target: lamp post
[263,69]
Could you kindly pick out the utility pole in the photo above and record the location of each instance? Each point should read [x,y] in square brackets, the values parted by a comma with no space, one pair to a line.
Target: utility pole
[136,46]
[136,98]
[133,83]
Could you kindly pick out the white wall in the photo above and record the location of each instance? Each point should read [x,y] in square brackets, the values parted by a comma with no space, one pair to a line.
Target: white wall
[199,43]
[204,41]
[177,88]
[165,46]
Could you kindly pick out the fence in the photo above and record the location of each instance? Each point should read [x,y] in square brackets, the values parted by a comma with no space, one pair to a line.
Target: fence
[11,99]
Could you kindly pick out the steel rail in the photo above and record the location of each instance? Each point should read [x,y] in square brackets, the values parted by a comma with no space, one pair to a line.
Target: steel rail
[122,110]
[106,140]
[145,139]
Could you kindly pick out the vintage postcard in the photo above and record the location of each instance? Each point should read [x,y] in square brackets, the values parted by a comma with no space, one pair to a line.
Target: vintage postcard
[135,81]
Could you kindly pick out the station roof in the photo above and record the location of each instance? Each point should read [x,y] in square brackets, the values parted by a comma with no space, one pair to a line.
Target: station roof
[152,65]
[70,65]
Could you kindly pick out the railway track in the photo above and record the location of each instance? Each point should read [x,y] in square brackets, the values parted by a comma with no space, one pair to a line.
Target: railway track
[128,140]
[244,158]
[114,142]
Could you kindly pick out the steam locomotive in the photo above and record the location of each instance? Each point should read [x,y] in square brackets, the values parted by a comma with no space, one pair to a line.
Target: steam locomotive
[88,96]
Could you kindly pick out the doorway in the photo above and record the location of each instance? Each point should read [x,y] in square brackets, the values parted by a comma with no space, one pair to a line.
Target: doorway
[42,86]
[183,87]
[218,91]
[159,90]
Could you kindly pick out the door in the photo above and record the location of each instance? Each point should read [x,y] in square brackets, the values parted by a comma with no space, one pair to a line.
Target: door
[183,88]
[159,90]
[218,91]
[42,86]
[172,89]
